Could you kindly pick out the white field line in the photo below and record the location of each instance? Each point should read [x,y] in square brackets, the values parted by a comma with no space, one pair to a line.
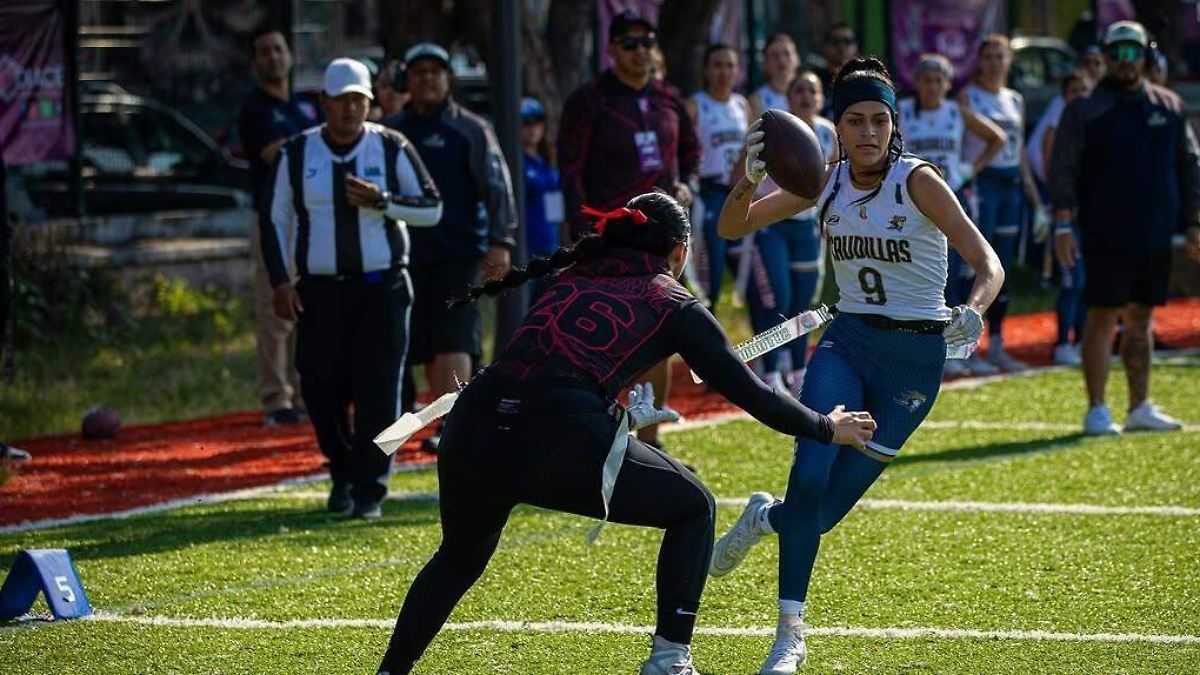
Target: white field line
[897,504]
[627,629]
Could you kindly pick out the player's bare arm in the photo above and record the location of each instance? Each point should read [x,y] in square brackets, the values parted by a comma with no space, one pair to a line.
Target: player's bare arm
[935,199]
[989,132]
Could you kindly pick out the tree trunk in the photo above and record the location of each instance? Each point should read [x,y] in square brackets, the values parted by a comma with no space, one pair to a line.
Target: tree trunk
[683,32]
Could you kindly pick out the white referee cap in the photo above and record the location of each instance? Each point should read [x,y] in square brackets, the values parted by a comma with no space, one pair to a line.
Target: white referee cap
[1126,31]
[344,76]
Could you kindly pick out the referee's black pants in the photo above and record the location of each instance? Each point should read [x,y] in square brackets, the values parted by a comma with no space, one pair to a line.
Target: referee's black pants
[506,444]
[351,341]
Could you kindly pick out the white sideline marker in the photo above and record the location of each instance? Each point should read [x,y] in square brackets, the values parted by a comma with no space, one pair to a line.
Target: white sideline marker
[501,626]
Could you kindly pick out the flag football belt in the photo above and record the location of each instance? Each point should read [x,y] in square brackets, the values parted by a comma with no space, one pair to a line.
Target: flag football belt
[924,327]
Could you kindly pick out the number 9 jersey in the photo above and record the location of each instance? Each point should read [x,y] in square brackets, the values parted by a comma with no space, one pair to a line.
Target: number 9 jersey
[888,257]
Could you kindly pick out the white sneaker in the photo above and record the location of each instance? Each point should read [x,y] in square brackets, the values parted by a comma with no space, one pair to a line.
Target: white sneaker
[1099,422]
[1067,355]
[788,652]
[955,368]
[668,661]
[1147,417]
[1001,359]
[731,549]
[977,365]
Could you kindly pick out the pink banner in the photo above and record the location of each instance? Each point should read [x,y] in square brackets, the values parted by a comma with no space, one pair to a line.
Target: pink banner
[35,120]
[952,28]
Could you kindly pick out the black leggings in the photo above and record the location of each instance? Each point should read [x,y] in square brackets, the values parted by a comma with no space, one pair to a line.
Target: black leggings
[503,446]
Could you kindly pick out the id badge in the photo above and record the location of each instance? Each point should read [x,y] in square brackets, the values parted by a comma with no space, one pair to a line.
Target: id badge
[647,145]
[552,204]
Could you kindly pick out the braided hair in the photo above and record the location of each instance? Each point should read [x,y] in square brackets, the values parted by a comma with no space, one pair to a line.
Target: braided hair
[856,69]
[653,222]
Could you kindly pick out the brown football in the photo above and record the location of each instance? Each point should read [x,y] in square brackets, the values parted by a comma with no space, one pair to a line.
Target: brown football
[101,422]
[792,153]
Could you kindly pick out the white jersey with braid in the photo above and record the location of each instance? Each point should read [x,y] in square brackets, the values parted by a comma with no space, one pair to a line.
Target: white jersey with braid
[888,257]
[935,136]
[721,127]
[1005,109]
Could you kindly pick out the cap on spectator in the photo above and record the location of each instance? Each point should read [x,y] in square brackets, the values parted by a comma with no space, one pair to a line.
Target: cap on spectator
[532,109]
[623,22]
[427,50]
[344,76]
[1126,31]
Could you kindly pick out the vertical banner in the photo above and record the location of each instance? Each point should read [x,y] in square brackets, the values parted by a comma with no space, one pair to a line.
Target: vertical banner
[35,120]
[952,28]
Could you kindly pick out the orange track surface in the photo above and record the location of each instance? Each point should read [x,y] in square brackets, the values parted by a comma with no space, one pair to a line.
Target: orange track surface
[150,464]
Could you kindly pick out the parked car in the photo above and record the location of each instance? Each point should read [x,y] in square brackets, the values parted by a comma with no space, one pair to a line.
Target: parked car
[140,156]
[1039,65]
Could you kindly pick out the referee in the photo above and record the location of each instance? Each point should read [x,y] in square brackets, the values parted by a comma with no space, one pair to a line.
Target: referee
[341,198]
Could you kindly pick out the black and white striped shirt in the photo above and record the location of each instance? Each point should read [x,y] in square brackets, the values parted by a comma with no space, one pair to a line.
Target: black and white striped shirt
[314,231]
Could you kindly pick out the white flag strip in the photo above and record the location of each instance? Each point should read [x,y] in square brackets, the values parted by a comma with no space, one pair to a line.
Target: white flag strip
[780,335]
[391,438]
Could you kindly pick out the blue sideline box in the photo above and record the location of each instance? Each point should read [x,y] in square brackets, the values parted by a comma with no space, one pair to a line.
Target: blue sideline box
[48,571]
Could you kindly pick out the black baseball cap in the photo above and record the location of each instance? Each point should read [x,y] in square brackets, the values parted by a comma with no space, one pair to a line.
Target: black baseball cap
[623,22]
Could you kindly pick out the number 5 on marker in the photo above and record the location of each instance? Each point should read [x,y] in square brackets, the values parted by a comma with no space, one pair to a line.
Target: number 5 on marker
[64,585]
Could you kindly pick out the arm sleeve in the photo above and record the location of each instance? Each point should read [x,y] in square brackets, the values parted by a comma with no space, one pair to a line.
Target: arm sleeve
[698,337]
[1063,170]
[419,204]
[1188,158]
[491,173]
[574,138]
[278,224]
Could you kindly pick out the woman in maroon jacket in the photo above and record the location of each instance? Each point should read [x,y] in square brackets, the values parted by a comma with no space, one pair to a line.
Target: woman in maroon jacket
[542,426]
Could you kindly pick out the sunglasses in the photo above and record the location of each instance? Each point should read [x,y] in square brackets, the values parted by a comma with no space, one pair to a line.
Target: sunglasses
[631,43]
[842,41]
[1127,53]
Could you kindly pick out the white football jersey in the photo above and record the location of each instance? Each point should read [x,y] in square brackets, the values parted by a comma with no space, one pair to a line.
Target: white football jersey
[771,98]
[935,136]
[1003,108]
[721,127]
[888,257]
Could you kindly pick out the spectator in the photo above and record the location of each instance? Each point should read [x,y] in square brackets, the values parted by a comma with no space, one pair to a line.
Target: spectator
[341,199]
[1125,164]
[475,234]
[622,135]
[780,61]
[1092,63]
[1000,184]
[543,197]
[1069,306]
[270,115]
[7,452]
[390,97]
[720,116]
[935,130]
[840,45]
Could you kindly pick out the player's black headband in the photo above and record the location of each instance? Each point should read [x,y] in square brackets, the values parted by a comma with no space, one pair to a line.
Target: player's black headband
[860,89]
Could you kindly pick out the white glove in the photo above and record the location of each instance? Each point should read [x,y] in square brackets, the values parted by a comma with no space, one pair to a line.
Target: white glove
[1041,224]
[641,410]
[966,326]
[756,169]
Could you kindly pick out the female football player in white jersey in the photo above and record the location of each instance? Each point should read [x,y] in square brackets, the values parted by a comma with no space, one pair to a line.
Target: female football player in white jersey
[791,251]
[780,61]
[999,186]
[720,116]
[888,217]
[934,130]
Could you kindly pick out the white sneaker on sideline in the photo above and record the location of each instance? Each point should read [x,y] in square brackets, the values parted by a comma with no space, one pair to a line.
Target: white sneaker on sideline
[1147,417]
[977,365]
[1099,422]
[788,652]
[668,661]
[955,368]
[731,549]
[1002,360]
[1067,355]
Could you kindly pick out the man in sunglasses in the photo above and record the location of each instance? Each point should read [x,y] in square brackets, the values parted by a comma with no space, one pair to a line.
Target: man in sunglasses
[622,135]
[1125,178]
[840,46]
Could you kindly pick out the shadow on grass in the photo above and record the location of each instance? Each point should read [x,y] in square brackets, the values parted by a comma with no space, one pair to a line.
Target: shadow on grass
[994,451]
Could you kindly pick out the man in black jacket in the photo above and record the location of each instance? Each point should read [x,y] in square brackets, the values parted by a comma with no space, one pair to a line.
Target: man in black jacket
[1125,178]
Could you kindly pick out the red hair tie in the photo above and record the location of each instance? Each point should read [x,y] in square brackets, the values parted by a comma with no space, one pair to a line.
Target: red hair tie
[623,212]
